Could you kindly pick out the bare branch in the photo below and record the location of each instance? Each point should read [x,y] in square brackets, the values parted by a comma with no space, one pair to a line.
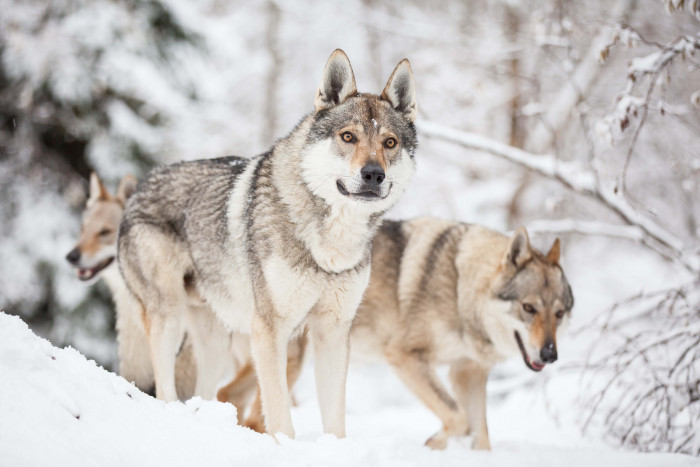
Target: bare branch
[651,398]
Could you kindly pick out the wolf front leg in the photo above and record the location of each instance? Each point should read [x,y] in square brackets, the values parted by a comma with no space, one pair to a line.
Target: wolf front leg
[469,385]
[331,341]
[295,362]
[414,369]
[329,329]
[268,340]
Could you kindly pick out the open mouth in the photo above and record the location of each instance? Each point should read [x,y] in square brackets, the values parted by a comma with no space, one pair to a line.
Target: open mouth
[534,366]
[85,274]
[368,195]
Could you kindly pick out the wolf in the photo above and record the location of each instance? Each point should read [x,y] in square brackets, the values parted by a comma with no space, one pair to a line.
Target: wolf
[465,296]
[94,258]
[279,242]
[447,293]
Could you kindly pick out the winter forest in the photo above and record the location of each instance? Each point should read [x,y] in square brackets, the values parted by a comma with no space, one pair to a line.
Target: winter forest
[578,120]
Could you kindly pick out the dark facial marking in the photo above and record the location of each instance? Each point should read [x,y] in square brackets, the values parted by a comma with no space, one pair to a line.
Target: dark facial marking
[369,127]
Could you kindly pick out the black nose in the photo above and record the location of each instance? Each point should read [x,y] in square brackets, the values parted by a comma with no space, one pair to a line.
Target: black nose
[549,352]
[74,256]
[372,174]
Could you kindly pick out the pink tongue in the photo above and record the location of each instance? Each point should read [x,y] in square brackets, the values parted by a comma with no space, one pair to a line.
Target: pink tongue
[536,365]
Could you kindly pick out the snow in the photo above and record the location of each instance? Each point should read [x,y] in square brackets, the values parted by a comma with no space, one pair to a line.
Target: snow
[646,64]
[209,97]
[60,409]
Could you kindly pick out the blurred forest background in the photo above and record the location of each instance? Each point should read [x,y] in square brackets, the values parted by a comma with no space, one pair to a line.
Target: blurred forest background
[575,119]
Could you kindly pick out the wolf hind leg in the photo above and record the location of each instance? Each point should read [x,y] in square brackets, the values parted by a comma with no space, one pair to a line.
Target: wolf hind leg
[420,377]
[211,344]
[165,335]
[239,392]
[469,384]
[153,265]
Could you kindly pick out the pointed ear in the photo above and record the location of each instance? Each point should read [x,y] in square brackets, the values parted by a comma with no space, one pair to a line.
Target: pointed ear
[400,90]
[518,252]
[554,252]
[126,188]
[338,82]
[97,190]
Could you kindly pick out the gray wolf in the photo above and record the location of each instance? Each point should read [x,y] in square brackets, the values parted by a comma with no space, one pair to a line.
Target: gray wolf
[94,258]
[464,296]
[446,293]
[278,242]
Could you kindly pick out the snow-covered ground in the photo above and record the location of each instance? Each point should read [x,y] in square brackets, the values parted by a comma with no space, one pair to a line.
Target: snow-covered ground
[60,409]
[110,76]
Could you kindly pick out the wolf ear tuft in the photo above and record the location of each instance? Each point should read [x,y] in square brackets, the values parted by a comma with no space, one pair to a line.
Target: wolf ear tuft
[400,90]
[519,248]
[126,188]
[98,192]
[554,252]
[338,82]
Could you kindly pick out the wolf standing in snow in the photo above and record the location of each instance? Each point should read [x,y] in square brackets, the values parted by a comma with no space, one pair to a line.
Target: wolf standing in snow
[278,242]
[450,293]
[93,257]
[465,296]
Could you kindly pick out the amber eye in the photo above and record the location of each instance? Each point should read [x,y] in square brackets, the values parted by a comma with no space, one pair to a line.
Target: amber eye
[529,308]
[559,314]
[390,143]
[348,137]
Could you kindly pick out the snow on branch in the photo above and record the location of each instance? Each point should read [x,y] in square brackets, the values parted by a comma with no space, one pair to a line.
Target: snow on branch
[644,74]
[570,174]
[559,111]
[629,107]
[629,232]
[578,179]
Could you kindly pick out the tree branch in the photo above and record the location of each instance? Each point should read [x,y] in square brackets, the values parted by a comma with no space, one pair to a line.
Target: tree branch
[576,178]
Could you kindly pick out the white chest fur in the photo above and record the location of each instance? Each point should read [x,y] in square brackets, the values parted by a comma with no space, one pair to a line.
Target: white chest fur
[340,241]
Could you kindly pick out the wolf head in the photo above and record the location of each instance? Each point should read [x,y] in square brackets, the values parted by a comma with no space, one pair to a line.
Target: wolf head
[97,245]
[540,298]
[360,146]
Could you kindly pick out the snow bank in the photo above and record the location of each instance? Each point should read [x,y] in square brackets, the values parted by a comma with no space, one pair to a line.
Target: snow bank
[57,408]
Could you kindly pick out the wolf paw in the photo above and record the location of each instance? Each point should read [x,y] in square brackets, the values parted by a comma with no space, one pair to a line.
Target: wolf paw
[437,441]
[256,424]
[481,443]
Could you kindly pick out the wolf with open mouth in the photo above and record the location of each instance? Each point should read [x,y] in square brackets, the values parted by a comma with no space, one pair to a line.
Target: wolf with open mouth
[447,293]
